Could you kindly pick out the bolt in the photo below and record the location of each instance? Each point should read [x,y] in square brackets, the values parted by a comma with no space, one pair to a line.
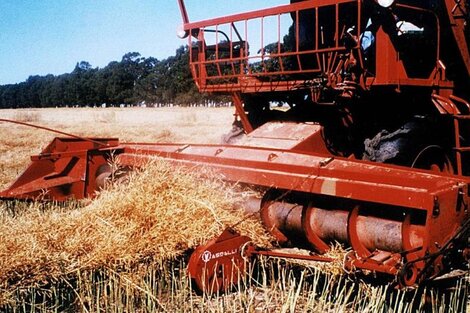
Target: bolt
[436,208]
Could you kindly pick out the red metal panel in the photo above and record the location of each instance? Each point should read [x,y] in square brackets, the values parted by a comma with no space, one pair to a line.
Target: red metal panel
[311,173]
[287,136]
[64,169]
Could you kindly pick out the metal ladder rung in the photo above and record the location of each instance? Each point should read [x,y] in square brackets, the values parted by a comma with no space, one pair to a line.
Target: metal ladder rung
[462,149]
[462,117]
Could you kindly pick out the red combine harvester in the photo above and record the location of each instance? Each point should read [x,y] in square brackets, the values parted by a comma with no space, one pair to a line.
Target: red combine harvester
[355,124]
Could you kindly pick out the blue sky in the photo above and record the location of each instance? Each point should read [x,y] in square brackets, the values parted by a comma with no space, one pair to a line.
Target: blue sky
[38,37]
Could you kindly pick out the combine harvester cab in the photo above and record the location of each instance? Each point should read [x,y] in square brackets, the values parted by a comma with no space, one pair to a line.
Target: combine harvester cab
[354,140]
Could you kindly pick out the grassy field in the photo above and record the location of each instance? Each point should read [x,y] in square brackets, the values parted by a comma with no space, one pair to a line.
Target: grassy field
[126,251]
[188,125]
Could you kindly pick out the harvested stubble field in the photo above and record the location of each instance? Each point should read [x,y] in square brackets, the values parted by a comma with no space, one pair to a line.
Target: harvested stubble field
[126,250]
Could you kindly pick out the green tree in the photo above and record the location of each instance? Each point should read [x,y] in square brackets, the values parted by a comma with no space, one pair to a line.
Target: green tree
[131,80]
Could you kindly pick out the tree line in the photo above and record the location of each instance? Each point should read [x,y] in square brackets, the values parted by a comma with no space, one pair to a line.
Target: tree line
[135,79]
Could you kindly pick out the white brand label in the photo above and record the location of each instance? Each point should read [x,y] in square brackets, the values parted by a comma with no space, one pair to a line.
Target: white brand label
[207,255]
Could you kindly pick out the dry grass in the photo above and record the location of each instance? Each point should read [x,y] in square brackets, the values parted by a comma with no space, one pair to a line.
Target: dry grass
[159,214]
[28,115]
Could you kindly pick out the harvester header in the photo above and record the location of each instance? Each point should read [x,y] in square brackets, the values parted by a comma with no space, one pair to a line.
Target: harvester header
[352,117]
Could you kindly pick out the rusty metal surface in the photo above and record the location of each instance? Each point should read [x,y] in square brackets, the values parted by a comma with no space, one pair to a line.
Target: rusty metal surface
[283,220]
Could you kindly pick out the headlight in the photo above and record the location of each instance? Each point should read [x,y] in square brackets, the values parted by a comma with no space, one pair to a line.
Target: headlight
[385,3]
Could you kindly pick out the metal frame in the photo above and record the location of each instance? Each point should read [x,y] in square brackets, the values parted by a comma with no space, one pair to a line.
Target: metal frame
[241,76]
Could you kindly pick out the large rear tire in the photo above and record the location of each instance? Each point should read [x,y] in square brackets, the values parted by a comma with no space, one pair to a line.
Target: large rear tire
[433,158]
